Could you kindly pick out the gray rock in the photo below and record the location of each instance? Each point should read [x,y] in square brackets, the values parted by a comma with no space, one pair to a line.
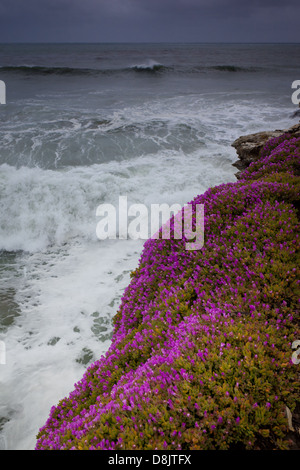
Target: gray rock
[249,146]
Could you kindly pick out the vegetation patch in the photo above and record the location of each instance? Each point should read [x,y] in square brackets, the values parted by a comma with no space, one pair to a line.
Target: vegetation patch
[201,352]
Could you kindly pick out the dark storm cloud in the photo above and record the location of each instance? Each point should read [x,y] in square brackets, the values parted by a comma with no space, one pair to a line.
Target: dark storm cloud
[150,20]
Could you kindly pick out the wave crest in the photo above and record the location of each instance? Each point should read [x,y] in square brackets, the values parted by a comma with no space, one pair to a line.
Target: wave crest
[150,67]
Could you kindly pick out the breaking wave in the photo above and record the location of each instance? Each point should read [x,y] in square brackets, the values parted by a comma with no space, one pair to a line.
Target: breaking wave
[146,68]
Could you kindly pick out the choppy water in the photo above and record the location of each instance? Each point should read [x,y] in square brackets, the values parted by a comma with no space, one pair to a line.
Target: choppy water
[83,125]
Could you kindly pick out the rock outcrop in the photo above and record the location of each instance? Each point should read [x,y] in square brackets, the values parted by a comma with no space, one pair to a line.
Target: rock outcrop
[248,147]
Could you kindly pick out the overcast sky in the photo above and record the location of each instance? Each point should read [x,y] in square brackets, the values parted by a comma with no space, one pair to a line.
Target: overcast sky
[149,21]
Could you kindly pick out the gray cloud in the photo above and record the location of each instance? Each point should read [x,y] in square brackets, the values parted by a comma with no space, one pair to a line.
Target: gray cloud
[149,20]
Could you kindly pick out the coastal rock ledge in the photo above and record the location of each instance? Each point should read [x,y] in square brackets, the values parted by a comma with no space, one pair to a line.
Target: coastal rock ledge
[248,147]
[202,355]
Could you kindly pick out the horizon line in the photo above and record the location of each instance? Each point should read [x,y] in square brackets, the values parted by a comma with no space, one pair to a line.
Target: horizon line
[149,42]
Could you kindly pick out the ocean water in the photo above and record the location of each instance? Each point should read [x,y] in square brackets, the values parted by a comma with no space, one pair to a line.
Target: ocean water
[83,125]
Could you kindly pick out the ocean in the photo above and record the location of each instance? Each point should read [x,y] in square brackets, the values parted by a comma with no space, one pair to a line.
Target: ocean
[84,124]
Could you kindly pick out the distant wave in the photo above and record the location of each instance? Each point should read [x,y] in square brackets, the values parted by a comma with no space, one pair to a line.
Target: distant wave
[151,66]
[234,68]
[43,70]
[147,68]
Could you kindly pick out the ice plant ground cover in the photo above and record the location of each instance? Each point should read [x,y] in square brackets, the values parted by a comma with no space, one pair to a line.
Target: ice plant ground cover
[201,352]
